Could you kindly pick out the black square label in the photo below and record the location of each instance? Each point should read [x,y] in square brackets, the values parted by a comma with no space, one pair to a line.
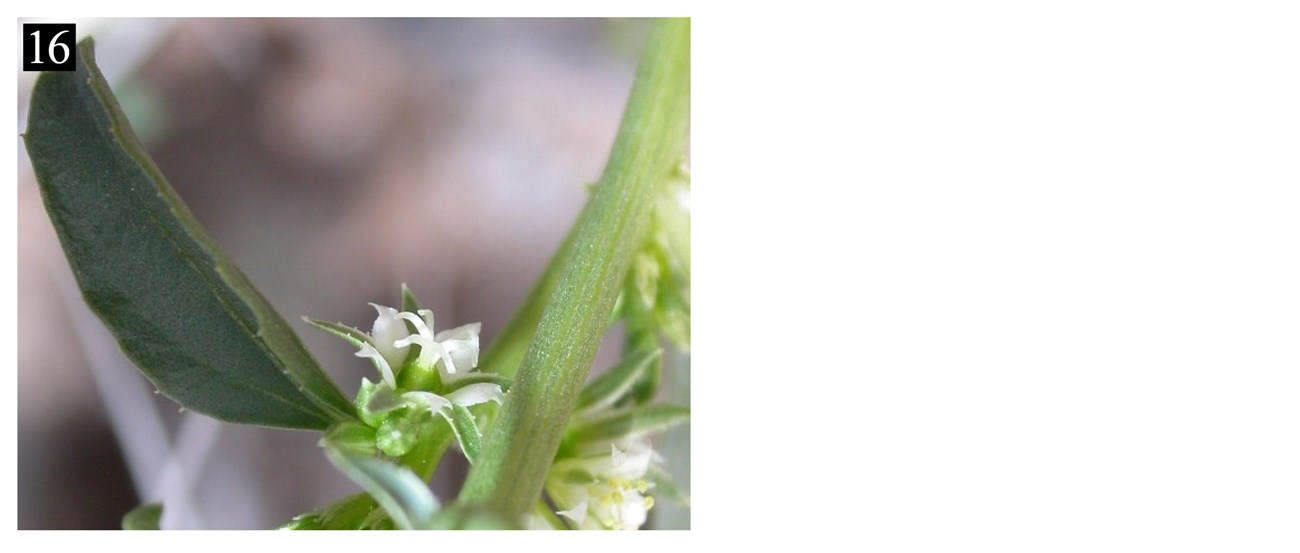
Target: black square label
[49,47]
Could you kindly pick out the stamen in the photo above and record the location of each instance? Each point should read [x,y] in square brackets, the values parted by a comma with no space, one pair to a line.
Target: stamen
[420,327]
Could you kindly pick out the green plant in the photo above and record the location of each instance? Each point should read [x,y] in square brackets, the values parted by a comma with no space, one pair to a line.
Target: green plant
[199,330]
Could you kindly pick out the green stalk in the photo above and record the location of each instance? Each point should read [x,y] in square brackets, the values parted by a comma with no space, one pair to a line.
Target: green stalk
[518,449]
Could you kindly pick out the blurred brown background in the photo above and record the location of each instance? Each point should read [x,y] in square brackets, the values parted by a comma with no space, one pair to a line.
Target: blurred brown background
[333,159]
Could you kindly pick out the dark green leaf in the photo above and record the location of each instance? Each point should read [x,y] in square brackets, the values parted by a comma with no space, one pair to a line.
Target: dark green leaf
[179,308]
[628,423]
[607,389]
[144,517]
[402,494]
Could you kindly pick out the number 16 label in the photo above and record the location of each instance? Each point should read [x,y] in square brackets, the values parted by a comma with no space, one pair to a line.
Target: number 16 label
[49,47]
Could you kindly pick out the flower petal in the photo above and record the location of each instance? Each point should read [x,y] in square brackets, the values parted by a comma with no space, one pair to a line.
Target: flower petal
[385,370]
[420,326]
[578,513]
[426,400]
[467,332]
[474,394]
[630,461]
[387,330]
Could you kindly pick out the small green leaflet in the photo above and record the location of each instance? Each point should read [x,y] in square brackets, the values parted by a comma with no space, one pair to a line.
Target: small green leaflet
[401,493]
[627,423]
[608,388]
[467,432]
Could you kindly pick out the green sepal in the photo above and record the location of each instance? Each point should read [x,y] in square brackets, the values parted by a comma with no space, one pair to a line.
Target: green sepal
[376,401]
[627,423]
[144,517]
[403,495]
[352,336]
[396,436]
[609,388]
[409,303]
[467,432]
[433,442]
[178,307]
[414,376]
[350,436]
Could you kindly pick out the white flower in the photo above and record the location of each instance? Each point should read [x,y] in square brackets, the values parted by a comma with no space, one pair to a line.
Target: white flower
[455,349]
[604,491]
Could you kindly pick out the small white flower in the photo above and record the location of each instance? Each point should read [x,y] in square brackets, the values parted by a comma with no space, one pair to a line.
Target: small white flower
[454,352]
[609,490]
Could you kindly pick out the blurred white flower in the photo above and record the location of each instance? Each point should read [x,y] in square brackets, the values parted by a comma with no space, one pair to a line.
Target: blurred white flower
[604,491]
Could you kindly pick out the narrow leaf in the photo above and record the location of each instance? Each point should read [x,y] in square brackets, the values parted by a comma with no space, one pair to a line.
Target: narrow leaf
[144,517]
[179,308]
[628,423]
[352,336]
[467,432]
[402,494]
[665,487]
[606,389]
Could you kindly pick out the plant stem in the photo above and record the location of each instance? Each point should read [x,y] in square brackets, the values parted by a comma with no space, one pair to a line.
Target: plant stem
[518,450]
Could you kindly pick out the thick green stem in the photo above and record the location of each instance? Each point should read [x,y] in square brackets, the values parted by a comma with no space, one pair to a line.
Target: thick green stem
[518,450]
